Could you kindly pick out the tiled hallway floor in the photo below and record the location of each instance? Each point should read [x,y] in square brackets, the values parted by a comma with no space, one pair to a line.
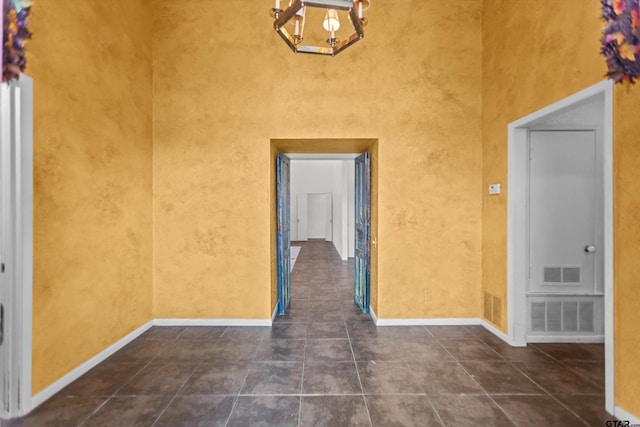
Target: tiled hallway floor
[326,364]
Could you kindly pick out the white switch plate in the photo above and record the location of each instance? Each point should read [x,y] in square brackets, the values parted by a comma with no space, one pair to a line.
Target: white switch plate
[494,189]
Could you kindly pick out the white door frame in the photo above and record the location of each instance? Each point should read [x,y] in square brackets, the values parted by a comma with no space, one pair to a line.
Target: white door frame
[302,217]
[517,222]
[16,131]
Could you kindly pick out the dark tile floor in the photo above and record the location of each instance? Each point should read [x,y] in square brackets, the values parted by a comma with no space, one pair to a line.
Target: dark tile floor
[326,364]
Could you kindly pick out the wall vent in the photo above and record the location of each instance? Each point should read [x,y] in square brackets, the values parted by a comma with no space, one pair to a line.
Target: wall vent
[493,309]
[552,275]
[560,275]
[562,316]
[488,306]
[571,275]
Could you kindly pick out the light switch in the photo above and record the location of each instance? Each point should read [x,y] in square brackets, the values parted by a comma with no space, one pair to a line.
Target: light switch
[494,189]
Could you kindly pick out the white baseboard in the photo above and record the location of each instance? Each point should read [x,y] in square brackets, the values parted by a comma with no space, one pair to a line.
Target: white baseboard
[373,315]
[46,393]
[623,415]
[42,396]
[447,321]
[212,322]
[495,331]
[599,339]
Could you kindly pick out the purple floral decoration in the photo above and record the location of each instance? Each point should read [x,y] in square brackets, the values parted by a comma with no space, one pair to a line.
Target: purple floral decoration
[14,33]
[621,39]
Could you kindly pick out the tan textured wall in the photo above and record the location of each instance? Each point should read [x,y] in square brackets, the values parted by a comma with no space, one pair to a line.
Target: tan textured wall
[229,87]
[91,64]
[531,60]
[427,82]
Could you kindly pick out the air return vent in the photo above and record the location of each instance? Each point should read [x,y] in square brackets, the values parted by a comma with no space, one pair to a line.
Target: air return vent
[571,275]
[553,275]
[561,275]
[562,316]
[493,309]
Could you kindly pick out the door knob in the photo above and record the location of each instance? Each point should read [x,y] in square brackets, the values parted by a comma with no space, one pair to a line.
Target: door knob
[590,249]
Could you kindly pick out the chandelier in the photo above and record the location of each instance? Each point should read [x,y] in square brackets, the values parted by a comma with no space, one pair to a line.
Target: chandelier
[290,24]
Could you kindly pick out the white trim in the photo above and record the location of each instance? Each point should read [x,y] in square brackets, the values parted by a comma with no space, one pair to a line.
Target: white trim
[609,309]
[446,321]
[516,233]
[598,339]
[605,86]
[623,415]
[212,322]
[17,157]
[275,313]
[24,244]
[517,251]
[495,331]
[7,288]
[85,367]
[322,156]
[373,315]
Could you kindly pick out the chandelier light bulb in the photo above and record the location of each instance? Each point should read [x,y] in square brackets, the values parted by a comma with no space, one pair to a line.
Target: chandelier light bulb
[361,7]
[298,26]
[275,11]
[331,21]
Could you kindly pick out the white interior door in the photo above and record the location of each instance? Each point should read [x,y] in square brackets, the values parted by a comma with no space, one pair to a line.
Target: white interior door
[317,215]
[563,211]
[564,296]
[303,219]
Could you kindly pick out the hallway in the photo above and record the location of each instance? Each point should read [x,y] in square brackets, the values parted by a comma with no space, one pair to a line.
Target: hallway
[326,364]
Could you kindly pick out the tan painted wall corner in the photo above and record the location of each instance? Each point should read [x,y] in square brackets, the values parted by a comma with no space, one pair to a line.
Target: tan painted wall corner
[91,65]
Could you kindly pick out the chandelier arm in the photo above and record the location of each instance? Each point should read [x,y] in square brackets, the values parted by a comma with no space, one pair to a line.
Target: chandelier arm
[346,43]
[329,4]
[287,37]
[287,14]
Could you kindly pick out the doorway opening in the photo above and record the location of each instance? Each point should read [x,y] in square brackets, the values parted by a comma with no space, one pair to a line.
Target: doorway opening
[323,199]
[333,223]
[566,296]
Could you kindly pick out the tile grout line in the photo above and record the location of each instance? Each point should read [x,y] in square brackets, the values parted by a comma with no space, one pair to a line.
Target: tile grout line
[435,411]
[548,393]
[358,375]
[195,368]
[568,366]
[100,406]
[304,359]
[244,382]
[115,393]
[353,355]
[486,393]
[424,393]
